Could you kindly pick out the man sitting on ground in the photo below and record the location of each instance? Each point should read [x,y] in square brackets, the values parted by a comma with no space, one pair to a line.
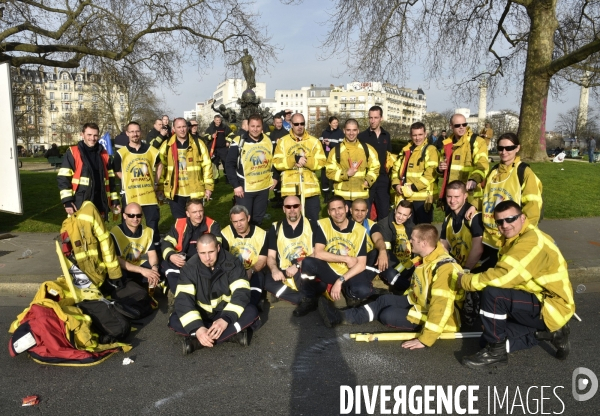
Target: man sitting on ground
[428,306]
[339,261]
[290,241]
[247,242]
[133,242]
[212,303]
[179,245]
[391,237]
[526,297]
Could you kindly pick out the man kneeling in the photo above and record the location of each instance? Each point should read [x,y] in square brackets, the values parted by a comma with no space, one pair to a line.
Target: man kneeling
[212,301]
[429,303]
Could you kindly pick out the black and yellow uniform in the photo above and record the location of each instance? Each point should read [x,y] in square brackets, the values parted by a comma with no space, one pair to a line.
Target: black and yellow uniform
[250,165]
[300,181]
[187,172]
[459,232]
[503,183]
[86,174]
[181,239]
[247,249]
[528,290]
[92,248]
[292,245]
[429,303]
[414,170]
[133,247]
[351,188]
[204,295]
[397,244]
[351,241]
[138,182]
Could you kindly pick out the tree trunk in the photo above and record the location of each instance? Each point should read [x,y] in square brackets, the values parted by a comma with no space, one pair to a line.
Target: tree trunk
[536,83]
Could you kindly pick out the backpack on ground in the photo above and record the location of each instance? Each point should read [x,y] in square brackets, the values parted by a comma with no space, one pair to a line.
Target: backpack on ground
[110,324]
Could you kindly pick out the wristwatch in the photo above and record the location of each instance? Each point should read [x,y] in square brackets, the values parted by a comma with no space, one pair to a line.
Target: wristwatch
[297,266]
[342,279]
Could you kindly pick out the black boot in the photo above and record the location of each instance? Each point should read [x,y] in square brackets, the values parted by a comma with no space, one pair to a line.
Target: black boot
[305,306]
[331,315]
[241,338]
[560,339]
[190,344]
[492,354]
[351,301]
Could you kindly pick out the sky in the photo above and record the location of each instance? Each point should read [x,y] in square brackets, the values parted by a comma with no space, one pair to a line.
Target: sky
[298,31]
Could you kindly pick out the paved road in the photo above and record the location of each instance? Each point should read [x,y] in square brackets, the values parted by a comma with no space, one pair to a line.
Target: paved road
[293,366]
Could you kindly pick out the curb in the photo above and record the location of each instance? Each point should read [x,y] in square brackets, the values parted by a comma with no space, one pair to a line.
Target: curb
[22,289]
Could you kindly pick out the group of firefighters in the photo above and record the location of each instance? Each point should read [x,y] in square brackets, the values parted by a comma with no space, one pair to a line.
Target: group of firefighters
[490,255]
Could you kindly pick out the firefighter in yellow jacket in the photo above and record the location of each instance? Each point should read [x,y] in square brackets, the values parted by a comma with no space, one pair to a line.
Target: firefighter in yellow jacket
[464,157]
[353,166]
[413,174]
[87,243]
[298,156]
[188,167]
[429,302]
[527,297]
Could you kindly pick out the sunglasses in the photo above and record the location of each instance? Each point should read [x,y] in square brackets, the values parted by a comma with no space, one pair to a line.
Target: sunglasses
[299,124]
[509,220]
[507,148]
[194,125]
[134,215]
[460,125]
[293,206]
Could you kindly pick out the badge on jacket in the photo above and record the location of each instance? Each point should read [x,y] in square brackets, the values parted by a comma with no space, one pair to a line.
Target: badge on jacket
[457,157]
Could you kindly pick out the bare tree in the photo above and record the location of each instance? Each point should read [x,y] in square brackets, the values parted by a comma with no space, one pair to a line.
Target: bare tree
[567,124]
[534,45]
[436,121]
[153,37]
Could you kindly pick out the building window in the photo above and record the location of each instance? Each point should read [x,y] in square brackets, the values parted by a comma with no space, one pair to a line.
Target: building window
[79,87]
[122,109]
[28,99]
[38,90]
[323,101]
[41,130]
[28,108]
[323,93]
[300,95]
[79,77]
[95,107]
[51,85]
[53,116]
[30,119]
[282,103]
[81,106]
[122,98]
[95,98]
[80,97]
[66,96]
[65,76]
[312,93]
[94,88]
[335,97]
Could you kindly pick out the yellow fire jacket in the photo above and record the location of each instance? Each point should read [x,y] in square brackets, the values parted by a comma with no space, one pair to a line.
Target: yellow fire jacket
[92,246]
[531,262]
[284,160]
[418,171]
[351,188]
[433,293]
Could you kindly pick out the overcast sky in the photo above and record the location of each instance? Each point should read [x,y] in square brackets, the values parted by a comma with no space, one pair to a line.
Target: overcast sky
[298,29]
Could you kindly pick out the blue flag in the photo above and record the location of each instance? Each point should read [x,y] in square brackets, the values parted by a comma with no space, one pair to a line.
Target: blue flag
[105,141]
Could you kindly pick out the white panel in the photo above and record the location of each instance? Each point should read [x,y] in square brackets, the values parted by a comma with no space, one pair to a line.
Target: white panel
[10,197]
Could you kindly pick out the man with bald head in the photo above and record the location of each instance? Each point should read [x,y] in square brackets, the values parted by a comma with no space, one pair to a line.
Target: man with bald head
[464,157]
[133,244]
[298,156]
[289,242]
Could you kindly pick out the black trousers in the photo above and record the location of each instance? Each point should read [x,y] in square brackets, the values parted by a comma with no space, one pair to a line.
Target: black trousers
[279,290]
[325,182]
[151,216]
[379,194]
[312,207]
[171,274]
[177,205]
[358,287]
[247,318]
[220,157]
[511,315]
[390,310]
[399,280]
[256,204]
[420,216]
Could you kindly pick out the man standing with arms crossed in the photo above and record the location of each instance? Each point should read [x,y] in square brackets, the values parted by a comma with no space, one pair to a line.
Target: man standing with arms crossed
[381,141]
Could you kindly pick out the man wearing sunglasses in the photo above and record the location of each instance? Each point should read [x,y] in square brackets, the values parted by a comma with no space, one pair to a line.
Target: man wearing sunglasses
[133,243]
[527,297]
[464,157]
[298,156]
[289,242]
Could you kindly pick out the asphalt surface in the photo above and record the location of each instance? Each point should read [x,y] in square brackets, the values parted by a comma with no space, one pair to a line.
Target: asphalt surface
[293,366]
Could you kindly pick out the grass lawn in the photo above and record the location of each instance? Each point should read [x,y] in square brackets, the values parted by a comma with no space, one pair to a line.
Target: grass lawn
[571,190]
